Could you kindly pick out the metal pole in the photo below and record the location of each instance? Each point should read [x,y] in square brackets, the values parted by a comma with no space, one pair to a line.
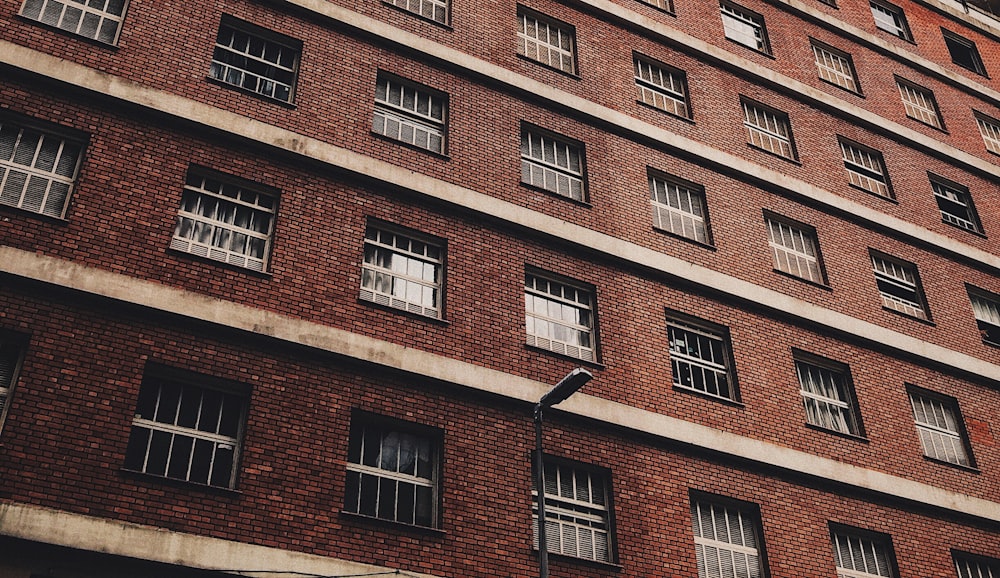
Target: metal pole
[543,546]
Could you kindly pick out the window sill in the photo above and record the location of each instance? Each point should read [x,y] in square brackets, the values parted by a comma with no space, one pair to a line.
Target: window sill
[874,194]
[794,161]
[694,242]
[391,309]
[857,92]
[937,128]
[32,214]
[969,231]
[594,364]
[722,400]
[971,469]
[752,49]
[907,316]
[557,195]
[803,280]
[565,559]
[572,75]
[354,517]
[240,89]
[380,136]
[686,119]
[218,490]
[230,266]
[845,435]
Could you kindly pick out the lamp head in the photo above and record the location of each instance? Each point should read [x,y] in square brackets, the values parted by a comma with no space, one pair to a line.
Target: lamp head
[566,387]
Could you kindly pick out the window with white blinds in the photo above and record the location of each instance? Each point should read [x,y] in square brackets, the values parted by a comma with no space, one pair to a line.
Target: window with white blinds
[99,20]
[937,421]
[577,515]
[410,113]
[989,128]
[402,271]
[679,208]
[828,396]
[37,169]
[660,86]
[865,168]
[899,287]
[559,317]
[919,104]
[794,250]
[726,541]
[553,164]
[546,41]
[986,308]
[970,566]
[255,59]
[861,556]
[768,129]
[744,27]
[835,67]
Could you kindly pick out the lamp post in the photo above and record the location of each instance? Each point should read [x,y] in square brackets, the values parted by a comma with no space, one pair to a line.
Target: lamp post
[566,387]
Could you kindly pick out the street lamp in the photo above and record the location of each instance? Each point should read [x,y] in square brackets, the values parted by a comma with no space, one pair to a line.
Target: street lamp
[566,387]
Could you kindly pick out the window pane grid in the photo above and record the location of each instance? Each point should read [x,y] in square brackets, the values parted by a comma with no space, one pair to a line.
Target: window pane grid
[660,88]
[939,430]
[546,43]
[576,514]
[552,164]
[794,251]
[95,19]
[768,130]
[919,104]
[826,399]
[436,10]
[401,272]
[743,27]
[559,318]
[898,287]
[860,557]
[954,206]
[37,170]
[987,313]
[969,568]
[678,209]
[889,20]
[865,169]
[254,63]
[991,134]
[699,360]
[9,356]
[835,68]
[725,542]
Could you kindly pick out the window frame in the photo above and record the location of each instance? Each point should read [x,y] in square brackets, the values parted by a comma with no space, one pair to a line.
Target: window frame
[925,112]
[434,439]
[103,14]
[992,565]
[847,399]
[900,28]
[958,437]
[388,299]
[674,100]
[845,72]
[758,134]
[712,333]
[547,168]
[550,344]
[737,21]
[386,111]
[568,57]
[13,349]
[436,5]
[917,305]
[268,38]
[862,170]
[883,542]
[742,510]
[960,197]
[806,233]
[574,508]
[661,5]
[988,322]
[67,139]
[989,129]
[954,42]
[668,212]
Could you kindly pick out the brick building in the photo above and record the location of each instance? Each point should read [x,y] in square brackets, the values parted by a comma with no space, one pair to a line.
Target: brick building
[280,282]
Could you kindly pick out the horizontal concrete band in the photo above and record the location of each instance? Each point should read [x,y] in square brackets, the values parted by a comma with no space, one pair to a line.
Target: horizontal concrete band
[143,542]
[454,371]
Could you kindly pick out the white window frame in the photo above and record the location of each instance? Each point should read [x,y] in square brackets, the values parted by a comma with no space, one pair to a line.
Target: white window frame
[865,168]
[795,249]
[727,539]
[38,168]
[665,5]
[207,226]
[270,60]
[939,425]
[955,42]
[166,421]
[433,10]
[402,270]
[890,18]
[80,17]
[892,273]
[661,86]
[410,113]
[873,553]
[919,104]
[574,315]
[989,128]
[11,356]
[972,566]
[835,67]
[546,40]
[744,27]
[679,208]
[701,349]
[768,129]
[577,512]
[827,394]
[955,203]
[394,442]
[553,163]
[986,310]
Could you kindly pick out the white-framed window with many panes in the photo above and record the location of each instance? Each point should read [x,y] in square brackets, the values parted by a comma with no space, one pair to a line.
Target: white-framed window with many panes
[679,207]
[403,270]
[38,168]
[865,168]
[989,128]
[665,5]
[939,425]
[410,113]
[919,104]
[794,249]
[890,18]
[700,358]
[225,219]
[827,394]
[973,566]
[986,309]
[577,512]
[899,285]
[955,203]
[188,428]
[11,352]
[546,40]
[835,66]
[768,129]
[559,315]
[744,27]
[862,554]
[99,20]
[661,86]
[393,470]
[434,10]
[254,59]
[552,163]
[727,538]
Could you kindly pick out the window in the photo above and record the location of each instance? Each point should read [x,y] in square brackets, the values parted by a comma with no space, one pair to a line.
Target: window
[255,59]
[95,19]
[794,249]
[939,424]
[890,19]
[744,27]
[10,359]
[727,539]
[768,129]
[392,471]
[899,286]
[577,512]
[700,357]
[972,566]
[955,204]
[990,129]
[665,5]
[552,163]
[865,168]
[225,220]
[187,428]
[963,52]
[919,104]
[679,208]
[862,554]
[827,394]
[436,10]
[559,317]
[835,67]
[986,307]
[410,113]
[661,87]
[37,169]
[547,41]
[402,270]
